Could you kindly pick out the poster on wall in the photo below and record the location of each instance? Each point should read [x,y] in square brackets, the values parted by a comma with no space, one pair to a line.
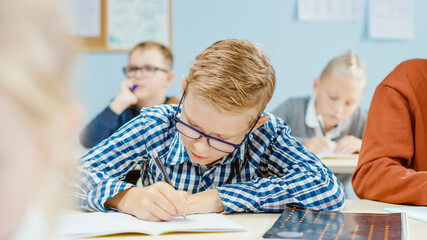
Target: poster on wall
[134,21]
[391,19]
[330,10]
[85,17]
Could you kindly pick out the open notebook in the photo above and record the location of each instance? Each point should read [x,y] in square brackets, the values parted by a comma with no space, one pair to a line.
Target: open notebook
[100,223]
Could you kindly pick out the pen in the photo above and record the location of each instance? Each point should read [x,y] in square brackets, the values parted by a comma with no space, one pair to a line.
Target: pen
[159,164]
[133,87]
[320,120]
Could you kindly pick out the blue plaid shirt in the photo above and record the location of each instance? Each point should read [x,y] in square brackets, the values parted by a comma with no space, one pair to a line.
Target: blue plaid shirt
[270,170]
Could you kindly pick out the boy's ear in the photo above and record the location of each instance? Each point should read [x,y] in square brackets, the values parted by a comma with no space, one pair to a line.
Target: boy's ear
[316,84]
[171,77]
[261,121]
[184,83]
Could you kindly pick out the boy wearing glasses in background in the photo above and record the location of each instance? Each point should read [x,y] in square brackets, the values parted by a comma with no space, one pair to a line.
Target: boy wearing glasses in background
[221,152]
[148,75]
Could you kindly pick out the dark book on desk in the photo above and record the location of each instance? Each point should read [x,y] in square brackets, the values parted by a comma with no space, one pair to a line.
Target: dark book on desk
[300,223]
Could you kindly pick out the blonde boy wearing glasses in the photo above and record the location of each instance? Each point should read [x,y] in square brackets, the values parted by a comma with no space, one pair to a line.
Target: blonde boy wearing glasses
[221,152]
[149,74]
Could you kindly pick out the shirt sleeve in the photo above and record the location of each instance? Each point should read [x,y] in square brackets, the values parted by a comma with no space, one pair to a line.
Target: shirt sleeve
[100,128]
[106,165]
[292,176]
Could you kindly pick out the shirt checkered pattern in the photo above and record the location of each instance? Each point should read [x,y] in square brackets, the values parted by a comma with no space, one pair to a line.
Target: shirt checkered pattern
[270,170]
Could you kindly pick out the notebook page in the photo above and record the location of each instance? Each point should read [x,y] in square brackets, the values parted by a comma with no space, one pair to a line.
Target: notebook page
[100,223]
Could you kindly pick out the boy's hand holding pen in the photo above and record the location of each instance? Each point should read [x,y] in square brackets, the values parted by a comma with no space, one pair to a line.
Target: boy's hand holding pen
[320,144]
[166,178]
[125,98]
[157,202]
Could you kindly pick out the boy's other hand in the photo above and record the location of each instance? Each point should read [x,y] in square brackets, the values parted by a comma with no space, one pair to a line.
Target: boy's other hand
[207,201]
[319,144]
[157,202]
[125,99]
[348,145]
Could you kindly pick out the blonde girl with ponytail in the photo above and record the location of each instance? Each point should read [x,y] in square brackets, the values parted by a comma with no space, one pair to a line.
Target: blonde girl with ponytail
[331,121]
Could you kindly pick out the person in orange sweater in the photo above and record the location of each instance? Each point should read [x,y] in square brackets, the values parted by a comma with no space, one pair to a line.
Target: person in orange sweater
[393,158]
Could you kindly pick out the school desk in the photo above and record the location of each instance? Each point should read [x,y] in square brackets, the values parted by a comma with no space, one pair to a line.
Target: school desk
[259,223]
[341,165]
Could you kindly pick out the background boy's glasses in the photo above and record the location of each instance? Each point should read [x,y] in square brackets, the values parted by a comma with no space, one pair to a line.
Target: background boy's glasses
[146,71]
[216,143]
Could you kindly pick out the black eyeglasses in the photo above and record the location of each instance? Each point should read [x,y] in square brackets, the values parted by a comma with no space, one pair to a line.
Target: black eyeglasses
[146,71]
[216,143]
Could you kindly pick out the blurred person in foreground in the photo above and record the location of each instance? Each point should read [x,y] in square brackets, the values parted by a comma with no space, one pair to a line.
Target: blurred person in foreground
[38,117]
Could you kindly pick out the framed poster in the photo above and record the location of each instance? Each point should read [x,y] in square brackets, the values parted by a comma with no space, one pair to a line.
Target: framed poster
[134,21]
[124,23]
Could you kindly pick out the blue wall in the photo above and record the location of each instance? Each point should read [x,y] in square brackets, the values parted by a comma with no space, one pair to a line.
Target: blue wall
[298,50]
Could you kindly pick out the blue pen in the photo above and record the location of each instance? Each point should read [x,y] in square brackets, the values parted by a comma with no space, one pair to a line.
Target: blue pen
[159,164]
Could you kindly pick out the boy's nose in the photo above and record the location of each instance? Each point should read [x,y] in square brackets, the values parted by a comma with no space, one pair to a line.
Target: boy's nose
[201,145]
[138,74]
[338,108]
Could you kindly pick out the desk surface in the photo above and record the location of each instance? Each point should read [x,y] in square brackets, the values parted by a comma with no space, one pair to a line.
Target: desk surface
[341,166]
[259,223]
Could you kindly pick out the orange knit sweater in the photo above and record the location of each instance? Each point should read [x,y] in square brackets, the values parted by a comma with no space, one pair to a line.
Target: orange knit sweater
[393,158]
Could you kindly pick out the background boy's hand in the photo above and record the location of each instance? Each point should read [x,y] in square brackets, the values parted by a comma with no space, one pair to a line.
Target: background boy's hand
[319,144]
[125,99]
[157,202]
[207,201]
[348,145]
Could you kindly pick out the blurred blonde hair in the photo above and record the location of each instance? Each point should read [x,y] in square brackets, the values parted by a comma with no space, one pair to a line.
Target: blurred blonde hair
[35,57]
[349,64]
[233,75]
[148,45]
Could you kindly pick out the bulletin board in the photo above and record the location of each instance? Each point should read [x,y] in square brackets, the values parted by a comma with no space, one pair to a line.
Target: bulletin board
[125,23]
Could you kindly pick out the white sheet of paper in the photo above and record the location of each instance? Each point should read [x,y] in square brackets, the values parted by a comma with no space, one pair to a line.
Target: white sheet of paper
[391,19]
[100,223]
[330,10]
[85,16]
[134,21]
[414,212]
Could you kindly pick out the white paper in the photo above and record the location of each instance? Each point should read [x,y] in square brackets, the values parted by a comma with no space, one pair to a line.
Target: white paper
[134,21]
[414,212]
[101,223]
[330,10]
[391,19]
[86,17]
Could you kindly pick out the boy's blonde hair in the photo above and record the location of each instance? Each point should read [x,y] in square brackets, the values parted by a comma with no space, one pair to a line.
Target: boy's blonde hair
[349,64]
[233,75]
[165,51]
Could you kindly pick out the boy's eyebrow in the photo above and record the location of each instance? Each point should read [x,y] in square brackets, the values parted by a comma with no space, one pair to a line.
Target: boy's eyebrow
[333,93]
